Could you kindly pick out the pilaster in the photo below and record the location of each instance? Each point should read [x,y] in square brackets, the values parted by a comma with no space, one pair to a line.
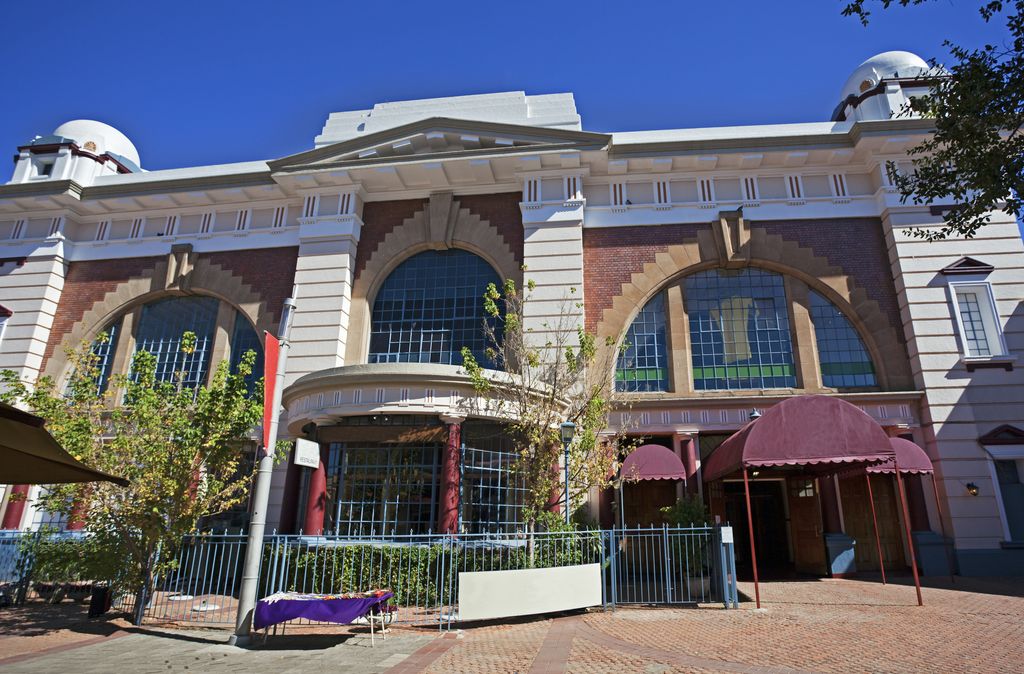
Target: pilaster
[30,288]
[323,292]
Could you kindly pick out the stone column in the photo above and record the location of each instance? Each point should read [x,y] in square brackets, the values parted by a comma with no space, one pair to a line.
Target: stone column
[688,454]
[451,479]
[316,503]
[15,506]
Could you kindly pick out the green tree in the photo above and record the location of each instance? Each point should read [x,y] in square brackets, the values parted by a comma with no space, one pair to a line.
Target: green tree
[976,154]
[538,383]
[180,448]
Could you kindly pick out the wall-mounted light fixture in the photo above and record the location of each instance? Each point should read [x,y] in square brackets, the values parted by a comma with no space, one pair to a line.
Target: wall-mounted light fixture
[755,414]
[972,489]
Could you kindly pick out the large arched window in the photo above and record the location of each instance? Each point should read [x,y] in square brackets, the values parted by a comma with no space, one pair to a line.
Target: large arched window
[740,337]
[643,363]
[844,361]
[739,330]
[160,327]
[430,307]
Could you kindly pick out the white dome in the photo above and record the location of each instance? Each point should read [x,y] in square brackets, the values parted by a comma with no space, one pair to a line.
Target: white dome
[105,137]
[883,66]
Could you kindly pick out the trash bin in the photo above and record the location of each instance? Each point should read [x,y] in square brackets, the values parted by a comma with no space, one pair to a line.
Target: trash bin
[100,602]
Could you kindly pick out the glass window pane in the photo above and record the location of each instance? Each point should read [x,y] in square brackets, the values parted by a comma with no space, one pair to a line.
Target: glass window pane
[844,360]
[739,330]
[643,364]
[430,307]
[160,329]
[973,323]
[380,489]
[104,352]
[244,338]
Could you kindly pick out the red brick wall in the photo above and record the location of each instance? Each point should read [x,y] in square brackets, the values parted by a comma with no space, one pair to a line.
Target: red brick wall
[270,272]
[502,211]
[611,255]
[381,217]
[857,246]
[85,284]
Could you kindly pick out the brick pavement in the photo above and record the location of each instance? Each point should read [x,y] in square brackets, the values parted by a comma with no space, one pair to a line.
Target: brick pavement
[821,626]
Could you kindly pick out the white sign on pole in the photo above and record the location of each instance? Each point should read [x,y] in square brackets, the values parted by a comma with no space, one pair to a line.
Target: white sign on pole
[727,535]
[307,453]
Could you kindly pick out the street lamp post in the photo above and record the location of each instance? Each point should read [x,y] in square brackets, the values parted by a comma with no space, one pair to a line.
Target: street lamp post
[568,430]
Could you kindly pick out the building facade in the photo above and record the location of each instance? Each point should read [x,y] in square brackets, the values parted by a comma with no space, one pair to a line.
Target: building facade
[742,266]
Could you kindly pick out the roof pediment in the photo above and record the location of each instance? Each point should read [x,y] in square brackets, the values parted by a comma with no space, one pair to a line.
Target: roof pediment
[1003,435]
[967,265]
[439,138]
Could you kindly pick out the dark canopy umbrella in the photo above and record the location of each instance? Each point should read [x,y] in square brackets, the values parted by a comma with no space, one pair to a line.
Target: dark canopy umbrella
[30,455]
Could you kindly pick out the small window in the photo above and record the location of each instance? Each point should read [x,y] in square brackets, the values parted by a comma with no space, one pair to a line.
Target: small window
[977,320]
[46,168]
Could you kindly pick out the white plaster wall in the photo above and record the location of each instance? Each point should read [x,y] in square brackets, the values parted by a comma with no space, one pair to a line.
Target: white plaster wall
[31,292]
[959,406]
[553,257]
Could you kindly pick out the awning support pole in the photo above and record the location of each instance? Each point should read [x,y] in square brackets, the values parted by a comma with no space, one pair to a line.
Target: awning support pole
[750,530]
[874,521]
[906,526]
[942,528]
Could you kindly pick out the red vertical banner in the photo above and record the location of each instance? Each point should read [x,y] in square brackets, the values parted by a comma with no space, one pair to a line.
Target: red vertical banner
[271,353]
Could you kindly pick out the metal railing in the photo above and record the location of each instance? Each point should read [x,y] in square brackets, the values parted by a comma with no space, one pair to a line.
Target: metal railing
[656,565]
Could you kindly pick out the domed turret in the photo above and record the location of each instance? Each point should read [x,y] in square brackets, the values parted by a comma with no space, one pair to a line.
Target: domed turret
[79,150]
[861,97]
[99,138]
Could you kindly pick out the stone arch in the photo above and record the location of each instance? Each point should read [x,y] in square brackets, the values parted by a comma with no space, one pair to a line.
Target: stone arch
[771,252]
[440,225]
[204,278]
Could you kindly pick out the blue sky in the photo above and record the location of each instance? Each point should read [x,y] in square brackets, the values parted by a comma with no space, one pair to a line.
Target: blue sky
[196,83]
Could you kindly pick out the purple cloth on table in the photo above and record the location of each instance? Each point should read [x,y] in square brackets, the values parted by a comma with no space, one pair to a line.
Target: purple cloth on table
[337,610]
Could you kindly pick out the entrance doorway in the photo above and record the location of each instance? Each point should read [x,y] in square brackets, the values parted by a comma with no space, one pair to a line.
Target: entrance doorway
[770,536]
[857,519]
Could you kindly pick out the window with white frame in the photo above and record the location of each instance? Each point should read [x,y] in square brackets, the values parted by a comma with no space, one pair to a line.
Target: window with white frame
[974,308]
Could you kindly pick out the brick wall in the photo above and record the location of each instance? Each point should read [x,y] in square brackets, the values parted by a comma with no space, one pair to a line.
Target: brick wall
[857,245]
[85,284]
[502,211]
[611,255]
[270,272]
[381,217]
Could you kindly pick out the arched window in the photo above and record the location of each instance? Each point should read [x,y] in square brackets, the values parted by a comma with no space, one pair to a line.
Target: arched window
[104,351]
[159,330]
[844,360]
[161,327]
[643,364]
[739,330]
[430,307]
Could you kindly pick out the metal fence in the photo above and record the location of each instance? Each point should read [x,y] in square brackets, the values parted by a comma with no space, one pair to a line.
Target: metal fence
[657,565]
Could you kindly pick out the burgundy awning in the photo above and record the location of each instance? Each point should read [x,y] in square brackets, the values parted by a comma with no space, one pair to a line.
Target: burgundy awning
[652,462]
[813,430]
[910,457]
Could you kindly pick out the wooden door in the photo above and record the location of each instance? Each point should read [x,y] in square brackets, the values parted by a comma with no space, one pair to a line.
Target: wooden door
[805,526]
[857,518]
[644,501]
